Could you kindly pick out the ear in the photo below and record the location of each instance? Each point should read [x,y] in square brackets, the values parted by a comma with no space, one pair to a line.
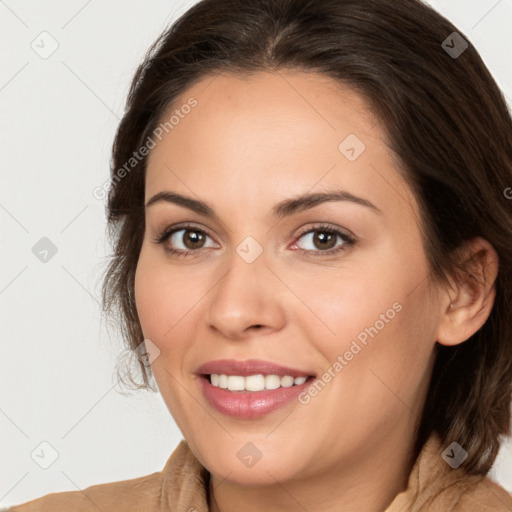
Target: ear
[468,304]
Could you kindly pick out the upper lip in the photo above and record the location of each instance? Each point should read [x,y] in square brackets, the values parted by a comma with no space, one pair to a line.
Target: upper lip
[248,367]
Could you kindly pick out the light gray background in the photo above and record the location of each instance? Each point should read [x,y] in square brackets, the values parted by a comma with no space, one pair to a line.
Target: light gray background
[58,117]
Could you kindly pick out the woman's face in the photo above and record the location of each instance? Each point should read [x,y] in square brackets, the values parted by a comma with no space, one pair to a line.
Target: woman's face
[284,285]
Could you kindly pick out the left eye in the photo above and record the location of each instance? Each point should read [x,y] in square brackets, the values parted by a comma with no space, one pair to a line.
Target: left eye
[324,240]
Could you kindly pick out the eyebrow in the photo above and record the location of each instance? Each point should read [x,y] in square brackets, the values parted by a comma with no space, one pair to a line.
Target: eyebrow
[283,209]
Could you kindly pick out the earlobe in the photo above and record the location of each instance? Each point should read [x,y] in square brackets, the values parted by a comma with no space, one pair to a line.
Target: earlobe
[468,304]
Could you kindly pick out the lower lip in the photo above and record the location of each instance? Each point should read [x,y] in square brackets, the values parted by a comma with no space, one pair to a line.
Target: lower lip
[250,404]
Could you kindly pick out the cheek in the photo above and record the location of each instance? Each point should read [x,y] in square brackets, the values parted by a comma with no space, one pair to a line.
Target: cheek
[387,352]
[339,306]
[163,296]
[164,303]
[378,319]
[152,297]
[169,300]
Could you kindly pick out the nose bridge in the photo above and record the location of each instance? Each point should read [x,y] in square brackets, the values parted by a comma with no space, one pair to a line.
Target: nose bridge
[245,296]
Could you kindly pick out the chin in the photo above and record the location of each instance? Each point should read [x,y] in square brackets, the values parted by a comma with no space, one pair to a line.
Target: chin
[248,465]
[260,474]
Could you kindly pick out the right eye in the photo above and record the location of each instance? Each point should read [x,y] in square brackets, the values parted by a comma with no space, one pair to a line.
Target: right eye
[183,240]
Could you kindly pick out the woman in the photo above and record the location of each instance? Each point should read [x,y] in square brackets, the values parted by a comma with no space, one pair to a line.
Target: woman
[312,232]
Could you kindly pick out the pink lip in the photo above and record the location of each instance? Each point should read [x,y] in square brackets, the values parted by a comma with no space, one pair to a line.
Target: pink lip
[249,404]
[248,367]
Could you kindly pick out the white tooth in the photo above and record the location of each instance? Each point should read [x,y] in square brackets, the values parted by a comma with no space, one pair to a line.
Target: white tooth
[223,381]
[272,381]
[255,383]
[286,381]
[236,383]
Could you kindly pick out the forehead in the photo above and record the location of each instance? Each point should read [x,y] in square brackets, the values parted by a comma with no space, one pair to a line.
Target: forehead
[273,134]
[282,103]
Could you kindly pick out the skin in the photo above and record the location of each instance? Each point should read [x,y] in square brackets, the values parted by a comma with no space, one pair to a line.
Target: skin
[248,144]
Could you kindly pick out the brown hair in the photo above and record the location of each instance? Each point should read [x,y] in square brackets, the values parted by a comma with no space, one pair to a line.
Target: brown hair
[445,118]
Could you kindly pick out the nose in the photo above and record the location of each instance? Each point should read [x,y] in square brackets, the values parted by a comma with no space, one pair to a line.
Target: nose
[246,300]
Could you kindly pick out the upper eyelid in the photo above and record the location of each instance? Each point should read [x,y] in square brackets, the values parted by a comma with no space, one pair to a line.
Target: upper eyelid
[186,227]
[317,225]
[327,226]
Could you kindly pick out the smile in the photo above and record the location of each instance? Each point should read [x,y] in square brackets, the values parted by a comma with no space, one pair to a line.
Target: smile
[250,388]
[257,382]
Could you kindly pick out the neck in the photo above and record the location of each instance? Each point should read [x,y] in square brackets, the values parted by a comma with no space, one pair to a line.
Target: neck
[368,484]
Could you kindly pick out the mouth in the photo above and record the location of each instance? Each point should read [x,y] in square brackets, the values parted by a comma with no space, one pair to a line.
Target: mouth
[251,389]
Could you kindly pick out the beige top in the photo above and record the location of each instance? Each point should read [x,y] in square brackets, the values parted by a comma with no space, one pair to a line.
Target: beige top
[182,486]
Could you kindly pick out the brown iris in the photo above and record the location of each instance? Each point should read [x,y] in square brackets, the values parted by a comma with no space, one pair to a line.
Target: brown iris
[322,237]
[194,238]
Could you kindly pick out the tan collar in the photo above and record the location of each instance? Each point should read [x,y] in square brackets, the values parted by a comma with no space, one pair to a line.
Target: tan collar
[433,485]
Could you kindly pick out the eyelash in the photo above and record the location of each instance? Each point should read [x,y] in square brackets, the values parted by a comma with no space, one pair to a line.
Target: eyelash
[168,232]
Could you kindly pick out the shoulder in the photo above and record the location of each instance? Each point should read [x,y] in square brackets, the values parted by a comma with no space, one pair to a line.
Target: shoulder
[139,494]
[483,495]
[434,486]
[468,494]
[182,481]
[454,489]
